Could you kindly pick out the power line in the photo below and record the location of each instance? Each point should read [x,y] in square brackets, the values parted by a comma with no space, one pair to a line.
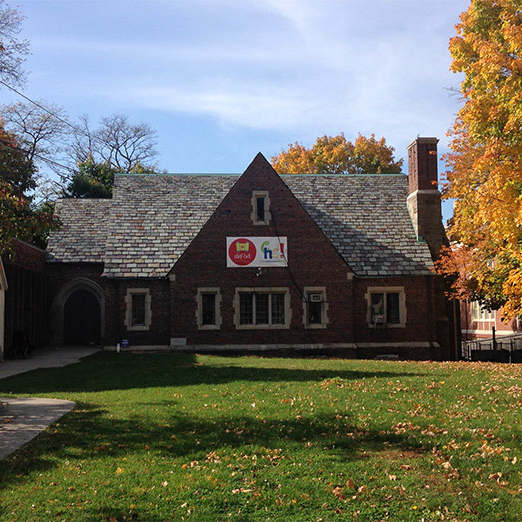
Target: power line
[43,158]
[39,106]
[59,118]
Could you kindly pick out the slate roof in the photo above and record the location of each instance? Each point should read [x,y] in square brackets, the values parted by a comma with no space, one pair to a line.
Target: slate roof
[81,237]
[152,219]
[155,217]
[366,219]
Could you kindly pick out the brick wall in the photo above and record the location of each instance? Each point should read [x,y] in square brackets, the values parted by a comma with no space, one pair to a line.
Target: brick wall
[60,274]
[312,261]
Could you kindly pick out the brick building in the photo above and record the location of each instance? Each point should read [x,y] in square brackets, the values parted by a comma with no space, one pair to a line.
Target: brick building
[478,322]
[23,300]
[301,263]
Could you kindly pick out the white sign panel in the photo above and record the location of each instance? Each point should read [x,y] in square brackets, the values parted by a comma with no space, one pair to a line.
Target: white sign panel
[256,252]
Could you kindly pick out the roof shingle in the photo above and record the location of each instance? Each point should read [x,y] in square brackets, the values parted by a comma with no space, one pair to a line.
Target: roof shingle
[81,237]
[152,219]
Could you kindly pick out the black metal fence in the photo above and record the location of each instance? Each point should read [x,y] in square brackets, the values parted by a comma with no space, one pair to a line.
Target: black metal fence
[505,348]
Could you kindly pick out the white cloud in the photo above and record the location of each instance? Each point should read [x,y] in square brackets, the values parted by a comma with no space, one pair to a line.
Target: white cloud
[303,65]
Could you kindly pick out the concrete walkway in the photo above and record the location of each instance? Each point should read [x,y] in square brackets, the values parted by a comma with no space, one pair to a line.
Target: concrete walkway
[46,358]
[23,419]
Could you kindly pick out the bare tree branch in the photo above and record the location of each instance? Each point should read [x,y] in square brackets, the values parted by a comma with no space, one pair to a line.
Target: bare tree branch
[41,133]
[12,50]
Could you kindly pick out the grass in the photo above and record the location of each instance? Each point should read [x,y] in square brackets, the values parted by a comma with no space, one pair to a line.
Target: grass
[176,437]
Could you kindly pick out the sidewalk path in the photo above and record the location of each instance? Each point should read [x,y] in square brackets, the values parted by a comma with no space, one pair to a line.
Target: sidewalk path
[46,358]
[23,419]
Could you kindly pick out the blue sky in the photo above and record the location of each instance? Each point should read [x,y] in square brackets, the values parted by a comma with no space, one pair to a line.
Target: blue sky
[220,80]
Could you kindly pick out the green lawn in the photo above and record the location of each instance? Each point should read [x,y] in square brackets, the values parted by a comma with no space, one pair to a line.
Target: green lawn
[176,437]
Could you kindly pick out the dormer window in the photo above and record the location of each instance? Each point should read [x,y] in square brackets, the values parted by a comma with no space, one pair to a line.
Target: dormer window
[260,207]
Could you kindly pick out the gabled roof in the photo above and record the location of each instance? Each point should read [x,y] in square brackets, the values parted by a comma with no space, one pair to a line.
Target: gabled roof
[366,219]
[152,219]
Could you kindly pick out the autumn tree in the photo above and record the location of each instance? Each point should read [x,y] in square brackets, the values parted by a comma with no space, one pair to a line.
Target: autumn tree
[337,155]
[15,168]
[485,163]
[18,218]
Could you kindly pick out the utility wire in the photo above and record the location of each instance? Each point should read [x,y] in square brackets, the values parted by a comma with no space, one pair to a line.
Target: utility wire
[36,154]
[59,118]
[38,105]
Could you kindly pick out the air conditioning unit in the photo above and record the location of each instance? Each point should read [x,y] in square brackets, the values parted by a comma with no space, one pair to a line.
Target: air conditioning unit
[315,298]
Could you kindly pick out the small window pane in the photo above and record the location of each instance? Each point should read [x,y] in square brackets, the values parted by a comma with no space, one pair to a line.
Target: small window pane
[262,314]
[260,208]
[246,310]
[278,308]
[138,309]
[315,312]
[377,301]
[392,308]
[208,309]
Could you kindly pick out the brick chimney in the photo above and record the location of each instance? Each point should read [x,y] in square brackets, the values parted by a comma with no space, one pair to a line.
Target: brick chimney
[424,196]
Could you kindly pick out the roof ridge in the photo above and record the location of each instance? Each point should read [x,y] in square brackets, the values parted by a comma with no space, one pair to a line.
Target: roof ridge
[157,174]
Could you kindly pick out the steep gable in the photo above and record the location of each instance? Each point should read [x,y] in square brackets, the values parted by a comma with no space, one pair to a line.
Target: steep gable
[285,217]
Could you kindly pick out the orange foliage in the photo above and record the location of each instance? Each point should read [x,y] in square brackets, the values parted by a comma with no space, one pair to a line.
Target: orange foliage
[485,163]
[337,155]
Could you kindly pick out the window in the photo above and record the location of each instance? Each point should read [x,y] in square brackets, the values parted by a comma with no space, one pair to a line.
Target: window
[208,309]
[386,307]
[260,207]
[138,309]
[481,314]
[315,307]
[262,308]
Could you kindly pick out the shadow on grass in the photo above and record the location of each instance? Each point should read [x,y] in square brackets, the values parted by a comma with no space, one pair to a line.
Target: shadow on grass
[105,371]
[89,433]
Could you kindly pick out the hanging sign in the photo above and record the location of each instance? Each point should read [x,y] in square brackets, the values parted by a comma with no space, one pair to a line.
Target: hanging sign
[256,252]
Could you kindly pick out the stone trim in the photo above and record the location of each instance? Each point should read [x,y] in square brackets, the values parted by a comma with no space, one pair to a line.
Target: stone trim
[128,309]
[384,290]
[201,348]
[256,194]
[216,291]
[261,347]
[324,307]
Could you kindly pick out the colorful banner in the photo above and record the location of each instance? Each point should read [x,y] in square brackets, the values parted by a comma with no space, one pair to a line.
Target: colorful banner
[256,252]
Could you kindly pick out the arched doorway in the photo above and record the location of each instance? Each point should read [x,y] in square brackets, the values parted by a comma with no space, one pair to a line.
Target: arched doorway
[78,313]
[81,318]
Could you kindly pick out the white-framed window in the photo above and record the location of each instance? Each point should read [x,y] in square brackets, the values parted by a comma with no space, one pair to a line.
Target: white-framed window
[262,308]
[315,307]
[386,307]
[260,207]
[208,312]
[481,314]
[138,311]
